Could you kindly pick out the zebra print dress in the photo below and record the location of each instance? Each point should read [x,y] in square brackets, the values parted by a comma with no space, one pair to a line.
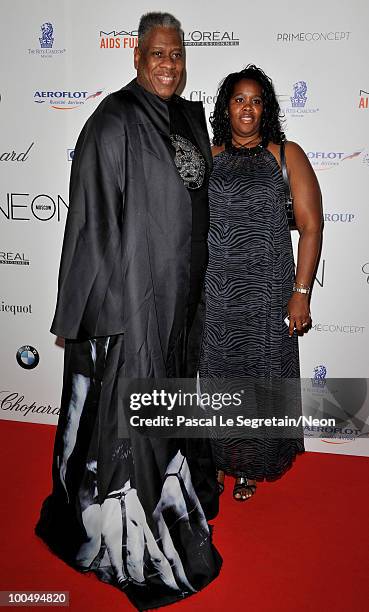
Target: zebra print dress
[248,284]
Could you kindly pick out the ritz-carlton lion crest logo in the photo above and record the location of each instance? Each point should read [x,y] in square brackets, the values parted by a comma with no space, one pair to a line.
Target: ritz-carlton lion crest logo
[297,105]
[320,373]
[299,98]
[46,39]
[46,43]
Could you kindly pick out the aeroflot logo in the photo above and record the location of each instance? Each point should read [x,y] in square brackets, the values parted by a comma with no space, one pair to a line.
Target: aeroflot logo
[124,39]
[64,100]
[326,160]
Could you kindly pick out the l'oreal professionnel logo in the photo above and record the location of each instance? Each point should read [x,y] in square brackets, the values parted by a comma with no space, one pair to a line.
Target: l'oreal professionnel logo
[214,38]
[12,258]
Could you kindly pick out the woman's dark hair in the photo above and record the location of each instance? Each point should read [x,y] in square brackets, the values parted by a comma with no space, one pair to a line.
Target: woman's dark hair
[271,119]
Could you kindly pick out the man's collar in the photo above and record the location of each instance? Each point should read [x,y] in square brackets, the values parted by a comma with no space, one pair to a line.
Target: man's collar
[152,106]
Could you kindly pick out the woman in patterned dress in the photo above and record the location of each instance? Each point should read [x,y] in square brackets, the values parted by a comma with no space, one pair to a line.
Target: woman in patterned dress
[257,303]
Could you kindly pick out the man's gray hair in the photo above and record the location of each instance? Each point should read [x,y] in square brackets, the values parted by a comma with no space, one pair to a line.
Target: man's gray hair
[157,20]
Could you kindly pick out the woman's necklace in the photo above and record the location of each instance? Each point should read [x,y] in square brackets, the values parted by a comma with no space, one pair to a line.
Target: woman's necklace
[245,148]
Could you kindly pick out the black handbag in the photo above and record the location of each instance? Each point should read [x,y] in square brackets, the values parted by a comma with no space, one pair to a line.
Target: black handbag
[288,199]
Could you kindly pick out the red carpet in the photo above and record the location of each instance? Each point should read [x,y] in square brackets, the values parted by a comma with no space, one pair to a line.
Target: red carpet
[301,544]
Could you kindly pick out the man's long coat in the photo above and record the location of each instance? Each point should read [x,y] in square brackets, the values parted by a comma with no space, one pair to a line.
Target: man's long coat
[125,265]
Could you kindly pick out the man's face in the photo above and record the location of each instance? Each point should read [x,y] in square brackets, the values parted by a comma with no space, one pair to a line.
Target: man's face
[160,62]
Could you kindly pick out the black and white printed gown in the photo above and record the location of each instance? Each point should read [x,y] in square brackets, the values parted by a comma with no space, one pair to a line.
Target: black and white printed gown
[132,508]
[248,284]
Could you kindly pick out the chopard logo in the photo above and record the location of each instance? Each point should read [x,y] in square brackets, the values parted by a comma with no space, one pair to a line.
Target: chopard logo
[16,156]
[14,402]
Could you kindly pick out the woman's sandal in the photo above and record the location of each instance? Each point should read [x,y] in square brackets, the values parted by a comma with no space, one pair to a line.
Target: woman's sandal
[242,484]
[220,484]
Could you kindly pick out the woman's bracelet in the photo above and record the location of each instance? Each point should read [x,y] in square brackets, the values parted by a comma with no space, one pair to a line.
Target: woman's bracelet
[301,288]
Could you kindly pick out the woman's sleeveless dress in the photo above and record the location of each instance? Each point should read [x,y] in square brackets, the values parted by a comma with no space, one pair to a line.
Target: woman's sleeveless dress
[248,284]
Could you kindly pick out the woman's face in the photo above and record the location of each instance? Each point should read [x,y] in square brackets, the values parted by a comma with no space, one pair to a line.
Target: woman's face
[245,109]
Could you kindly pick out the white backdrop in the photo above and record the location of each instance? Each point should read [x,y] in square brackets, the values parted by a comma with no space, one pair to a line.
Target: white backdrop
[47,93]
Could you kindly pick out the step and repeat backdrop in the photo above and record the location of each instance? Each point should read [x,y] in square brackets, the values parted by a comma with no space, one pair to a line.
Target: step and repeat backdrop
[60,59]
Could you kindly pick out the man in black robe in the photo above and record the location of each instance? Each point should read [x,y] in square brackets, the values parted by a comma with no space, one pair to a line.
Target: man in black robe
[134,257]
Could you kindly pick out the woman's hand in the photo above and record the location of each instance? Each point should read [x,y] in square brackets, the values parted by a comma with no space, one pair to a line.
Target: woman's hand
[308,215]
[298,313]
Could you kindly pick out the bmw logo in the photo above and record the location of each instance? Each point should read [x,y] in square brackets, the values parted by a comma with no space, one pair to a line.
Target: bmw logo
[27,357]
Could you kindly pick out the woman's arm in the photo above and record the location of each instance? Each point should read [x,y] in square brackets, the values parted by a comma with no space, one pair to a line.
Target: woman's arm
[308,215]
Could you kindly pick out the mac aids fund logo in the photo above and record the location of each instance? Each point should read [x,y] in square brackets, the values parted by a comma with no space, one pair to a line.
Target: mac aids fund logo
[118,39]
[46,43]
[27,357]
